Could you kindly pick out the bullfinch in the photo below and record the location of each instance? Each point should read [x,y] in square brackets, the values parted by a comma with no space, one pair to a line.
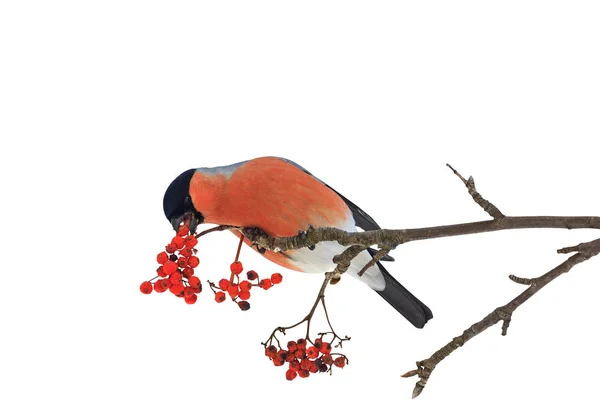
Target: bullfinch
[282,198]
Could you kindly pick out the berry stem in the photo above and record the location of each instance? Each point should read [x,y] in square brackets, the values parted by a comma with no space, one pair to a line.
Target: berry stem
[237,254]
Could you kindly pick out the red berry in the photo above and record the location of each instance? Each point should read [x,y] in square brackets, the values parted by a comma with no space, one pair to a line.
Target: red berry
[193,261]
[191,299]
[177,289]
[265,283]
[301,343]
[294,365]
[299,353]
[278,361]
[186,252]
[190,241]
[251,275]
[233,290]
[312,352]
[171,248]
[327,359]
[224,284]
[244,294]
[276,278]
[290,374]
[187,272]
[162,257]
[314,368]
[244,305]
[162,285]
[175,278]
[177,242]
[236,267]
[340,362]
[194,281]
[169,267]
[188,291]
[305,364]
[245,286]
[325,348]
[183,230]
[146,287]
[219,297]
[292,346]
[160,272]
[303,373]
[182,262]
[271,351]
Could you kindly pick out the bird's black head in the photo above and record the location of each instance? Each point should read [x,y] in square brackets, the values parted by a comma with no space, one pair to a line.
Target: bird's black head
[178,205]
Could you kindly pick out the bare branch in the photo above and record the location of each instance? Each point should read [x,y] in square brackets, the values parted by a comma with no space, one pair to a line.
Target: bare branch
[503,313]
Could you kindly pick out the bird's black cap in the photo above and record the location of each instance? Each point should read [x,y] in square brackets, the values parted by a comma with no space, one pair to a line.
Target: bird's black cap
[177,202]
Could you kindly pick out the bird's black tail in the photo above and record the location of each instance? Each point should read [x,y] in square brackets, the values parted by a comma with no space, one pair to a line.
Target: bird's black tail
[403,301]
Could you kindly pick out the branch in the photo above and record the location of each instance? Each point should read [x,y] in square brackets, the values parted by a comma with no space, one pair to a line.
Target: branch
[585,251]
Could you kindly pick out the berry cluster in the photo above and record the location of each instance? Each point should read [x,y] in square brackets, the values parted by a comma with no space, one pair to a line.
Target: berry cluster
[304,359]
[239,291]
[176,270]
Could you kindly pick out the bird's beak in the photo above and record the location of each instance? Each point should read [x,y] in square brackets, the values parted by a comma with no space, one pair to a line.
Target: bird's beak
[192,219]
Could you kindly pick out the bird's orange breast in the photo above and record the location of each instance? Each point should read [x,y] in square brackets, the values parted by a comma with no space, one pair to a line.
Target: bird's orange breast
[279,198]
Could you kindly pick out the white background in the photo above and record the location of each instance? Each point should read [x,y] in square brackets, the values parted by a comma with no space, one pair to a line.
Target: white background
[102,104]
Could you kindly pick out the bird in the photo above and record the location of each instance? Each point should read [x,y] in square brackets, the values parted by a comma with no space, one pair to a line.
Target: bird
[282,198]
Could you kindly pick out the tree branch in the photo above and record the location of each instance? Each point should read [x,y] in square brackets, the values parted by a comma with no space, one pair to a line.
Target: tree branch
[585,251]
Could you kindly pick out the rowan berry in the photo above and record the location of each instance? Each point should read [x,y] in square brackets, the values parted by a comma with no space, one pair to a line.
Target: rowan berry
[170,248]
[303,373]
[190,241]
[233,290]
[291,345]
[175,278]
[162,285]
[278,361]
[187,272]
[244,294]
[186,252]
[312,352]
[340,362]
[194,281]
[294,365]
[176,289]
[193,261]
[323,368]
[290,374]
[276,278]
[301,343]
[271,351]
[162,257]
[245,286]
[327,359]
[160,272]
[251,275]
[244,305]
[191,299]
[220,297]
[146,287]
[265,283]
[236,267]
[178,242]
[169,267]
[182,262]
[299,353]
[224,284]
[314,368]
[183,230]
[188,291]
